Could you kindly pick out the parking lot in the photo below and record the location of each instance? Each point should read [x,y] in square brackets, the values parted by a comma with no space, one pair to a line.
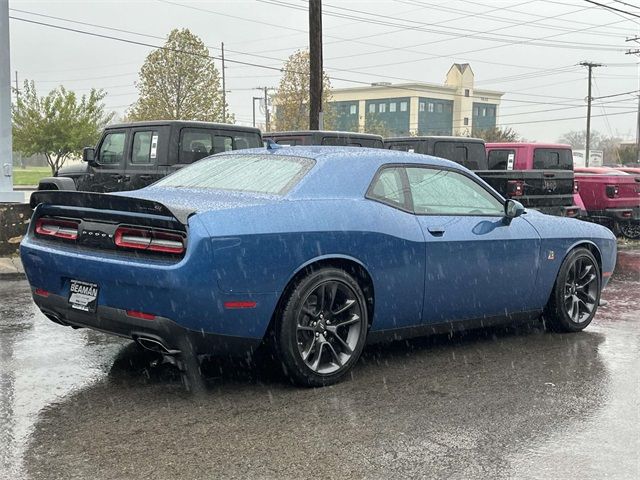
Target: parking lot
[499,403]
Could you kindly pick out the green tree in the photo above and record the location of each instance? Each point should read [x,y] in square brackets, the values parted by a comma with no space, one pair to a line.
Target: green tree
[496,134]
[57,125]
[292,96]
[179,82]
[375,125]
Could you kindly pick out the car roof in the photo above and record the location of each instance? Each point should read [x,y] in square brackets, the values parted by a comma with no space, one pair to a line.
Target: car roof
[183,123]
[344,171]
[326,133]
[562,146]
[448,138]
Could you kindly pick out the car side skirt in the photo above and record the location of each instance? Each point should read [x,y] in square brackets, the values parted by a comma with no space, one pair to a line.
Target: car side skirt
[392,335]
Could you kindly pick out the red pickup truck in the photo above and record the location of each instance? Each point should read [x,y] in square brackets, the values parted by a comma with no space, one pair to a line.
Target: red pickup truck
[541,175]
[612,198]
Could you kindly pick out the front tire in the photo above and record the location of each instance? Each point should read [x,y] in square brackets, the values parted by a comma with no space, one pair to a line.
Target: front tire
[576,293]
[322,329]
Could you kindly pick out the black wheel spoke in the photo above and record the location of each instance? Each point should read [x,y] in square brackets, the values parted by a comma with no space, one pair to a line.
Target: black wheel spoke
[345,345]
[348,304]
[580,289]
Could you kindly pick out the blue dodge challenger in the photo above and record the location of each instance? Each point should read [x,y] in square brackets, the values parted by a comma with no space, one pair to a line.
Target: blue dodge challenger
[319,249]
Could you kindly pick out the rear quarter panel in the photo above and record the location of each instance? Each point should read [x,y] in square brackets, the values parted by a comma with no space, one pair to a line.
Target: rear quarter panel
[259,250]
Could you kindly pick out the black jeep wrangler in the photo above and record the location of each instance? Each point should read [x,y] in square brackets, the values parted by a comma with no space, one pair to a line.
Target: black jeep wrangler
[133,155]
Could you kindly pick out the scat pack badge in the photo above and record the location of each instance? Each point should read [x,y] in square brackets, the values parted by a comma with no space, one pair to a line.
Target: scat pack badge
[551,255]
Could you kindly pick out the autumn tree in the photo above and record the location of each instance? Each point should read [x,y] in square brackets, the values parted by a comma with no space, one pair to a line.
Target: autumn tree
[179,82]
[57,125]
[496,134]
[292,96]
[376,125]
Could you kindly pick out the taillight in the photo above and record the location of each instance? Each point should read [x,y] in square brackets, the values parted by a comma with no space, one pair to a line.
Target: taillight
[151,240]
[627,214]
[140,315]
[572,212]
[515,188]
[576,187]
[59,228]
[612,191]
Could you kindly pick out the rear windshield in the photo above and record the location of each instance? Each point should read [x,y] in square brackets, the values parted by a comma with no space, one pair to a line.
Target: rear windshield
[471,155]
[268,174]
[552,158]
[501,159]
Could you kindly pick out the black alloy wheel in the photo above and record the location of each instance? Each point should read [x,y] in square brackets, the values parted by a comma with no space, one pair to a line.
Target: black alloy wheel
[576,293]
[323,328]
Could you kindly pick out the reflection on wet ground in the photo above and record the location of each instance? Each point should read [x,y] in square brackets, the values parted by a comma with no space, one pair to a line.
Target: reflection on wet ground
[502,403]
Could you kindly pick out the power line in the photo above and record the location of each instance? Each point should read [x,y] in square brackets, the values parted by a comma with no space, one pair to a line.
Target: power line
[565,118]
[614,9]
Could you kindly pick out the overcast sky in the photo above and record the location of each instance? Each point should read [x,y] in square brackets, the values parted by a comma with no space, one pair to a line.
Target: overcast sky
[527,49]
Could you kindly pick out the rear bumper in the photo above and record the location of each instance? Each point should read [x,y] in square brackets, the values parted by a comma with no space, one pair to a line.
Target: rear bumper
[161,330]
[617,214]
[572,211]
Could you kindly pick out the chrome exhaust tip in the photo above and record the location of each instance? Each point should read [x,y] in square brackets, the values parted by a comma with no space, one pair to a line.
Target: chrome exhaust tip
[155,345]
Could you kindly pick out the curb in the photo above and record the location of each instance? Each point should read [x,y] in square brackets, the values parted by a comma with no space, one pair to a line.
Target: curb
[11,269]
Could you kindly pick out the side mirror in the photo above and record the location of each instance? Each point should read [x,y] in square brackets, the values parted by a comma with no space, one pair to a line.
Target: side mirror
[88,154]
[513,209]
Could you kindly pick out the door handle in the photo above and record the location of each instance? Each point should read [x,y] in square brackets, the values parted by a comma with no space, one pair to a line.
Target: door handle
[436,231]
[116,176]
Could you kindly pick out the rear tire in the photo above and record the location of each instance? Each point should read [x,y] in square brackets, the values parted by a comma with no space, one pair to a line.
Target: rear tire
[576,293]
[630,230]
[322,329]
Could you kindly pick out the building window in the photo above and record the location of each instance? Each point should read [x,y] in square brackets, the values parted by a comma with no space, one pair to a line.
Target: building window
[439,107]
[430,109]
[476,111]
[422,106]
[491,112]
[484,112]
[466,120]
[392,107]
[449,108]
[403,106]
[466,92]
[372,108]
[352,109]
[382,107]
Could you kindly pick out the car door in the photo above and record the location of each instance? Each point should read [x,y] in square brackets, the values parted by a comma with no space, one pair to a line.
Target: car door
[108,169]
[142,162]
[478,264]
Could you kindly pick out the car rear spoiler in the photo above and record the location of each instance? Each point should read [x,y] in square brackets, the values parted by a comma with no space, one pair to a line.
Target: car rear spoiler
[105,201]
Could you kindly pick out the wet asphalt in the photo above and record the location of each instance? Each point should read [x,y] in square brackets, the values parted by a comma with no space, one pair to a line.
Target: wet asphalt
[499,403]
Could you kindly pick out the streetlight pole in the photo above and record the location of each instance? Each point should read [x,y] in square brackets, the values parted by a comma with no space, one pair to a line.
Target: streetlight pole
[254,109]
[6,162]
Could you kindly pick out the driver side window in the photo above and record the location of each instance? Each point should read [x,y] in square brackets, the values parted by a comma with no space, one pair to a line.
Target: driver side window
[446,192]
[112,149]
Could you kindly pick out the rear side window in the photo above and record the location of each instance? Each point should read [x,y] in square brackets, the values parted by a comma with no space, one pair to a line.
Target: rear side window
[552,159]
[112,148]
[501,159]
[289,141]
[471,155]
[197,143]
[387,187]
[335,141]
[403,147]
[145,147]
[267,174]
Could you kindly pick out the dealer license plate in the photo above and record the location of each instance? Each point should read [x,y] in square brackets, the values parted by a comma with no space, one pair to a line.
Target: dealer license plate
[83,296]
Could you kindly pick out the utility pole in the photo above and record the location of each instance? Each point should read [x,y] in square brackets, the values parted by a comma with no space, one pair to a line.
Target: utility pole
[636,51]
[267,118]
[6,162]
[590,66]
[253,106]
[224,90]
[315,64]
